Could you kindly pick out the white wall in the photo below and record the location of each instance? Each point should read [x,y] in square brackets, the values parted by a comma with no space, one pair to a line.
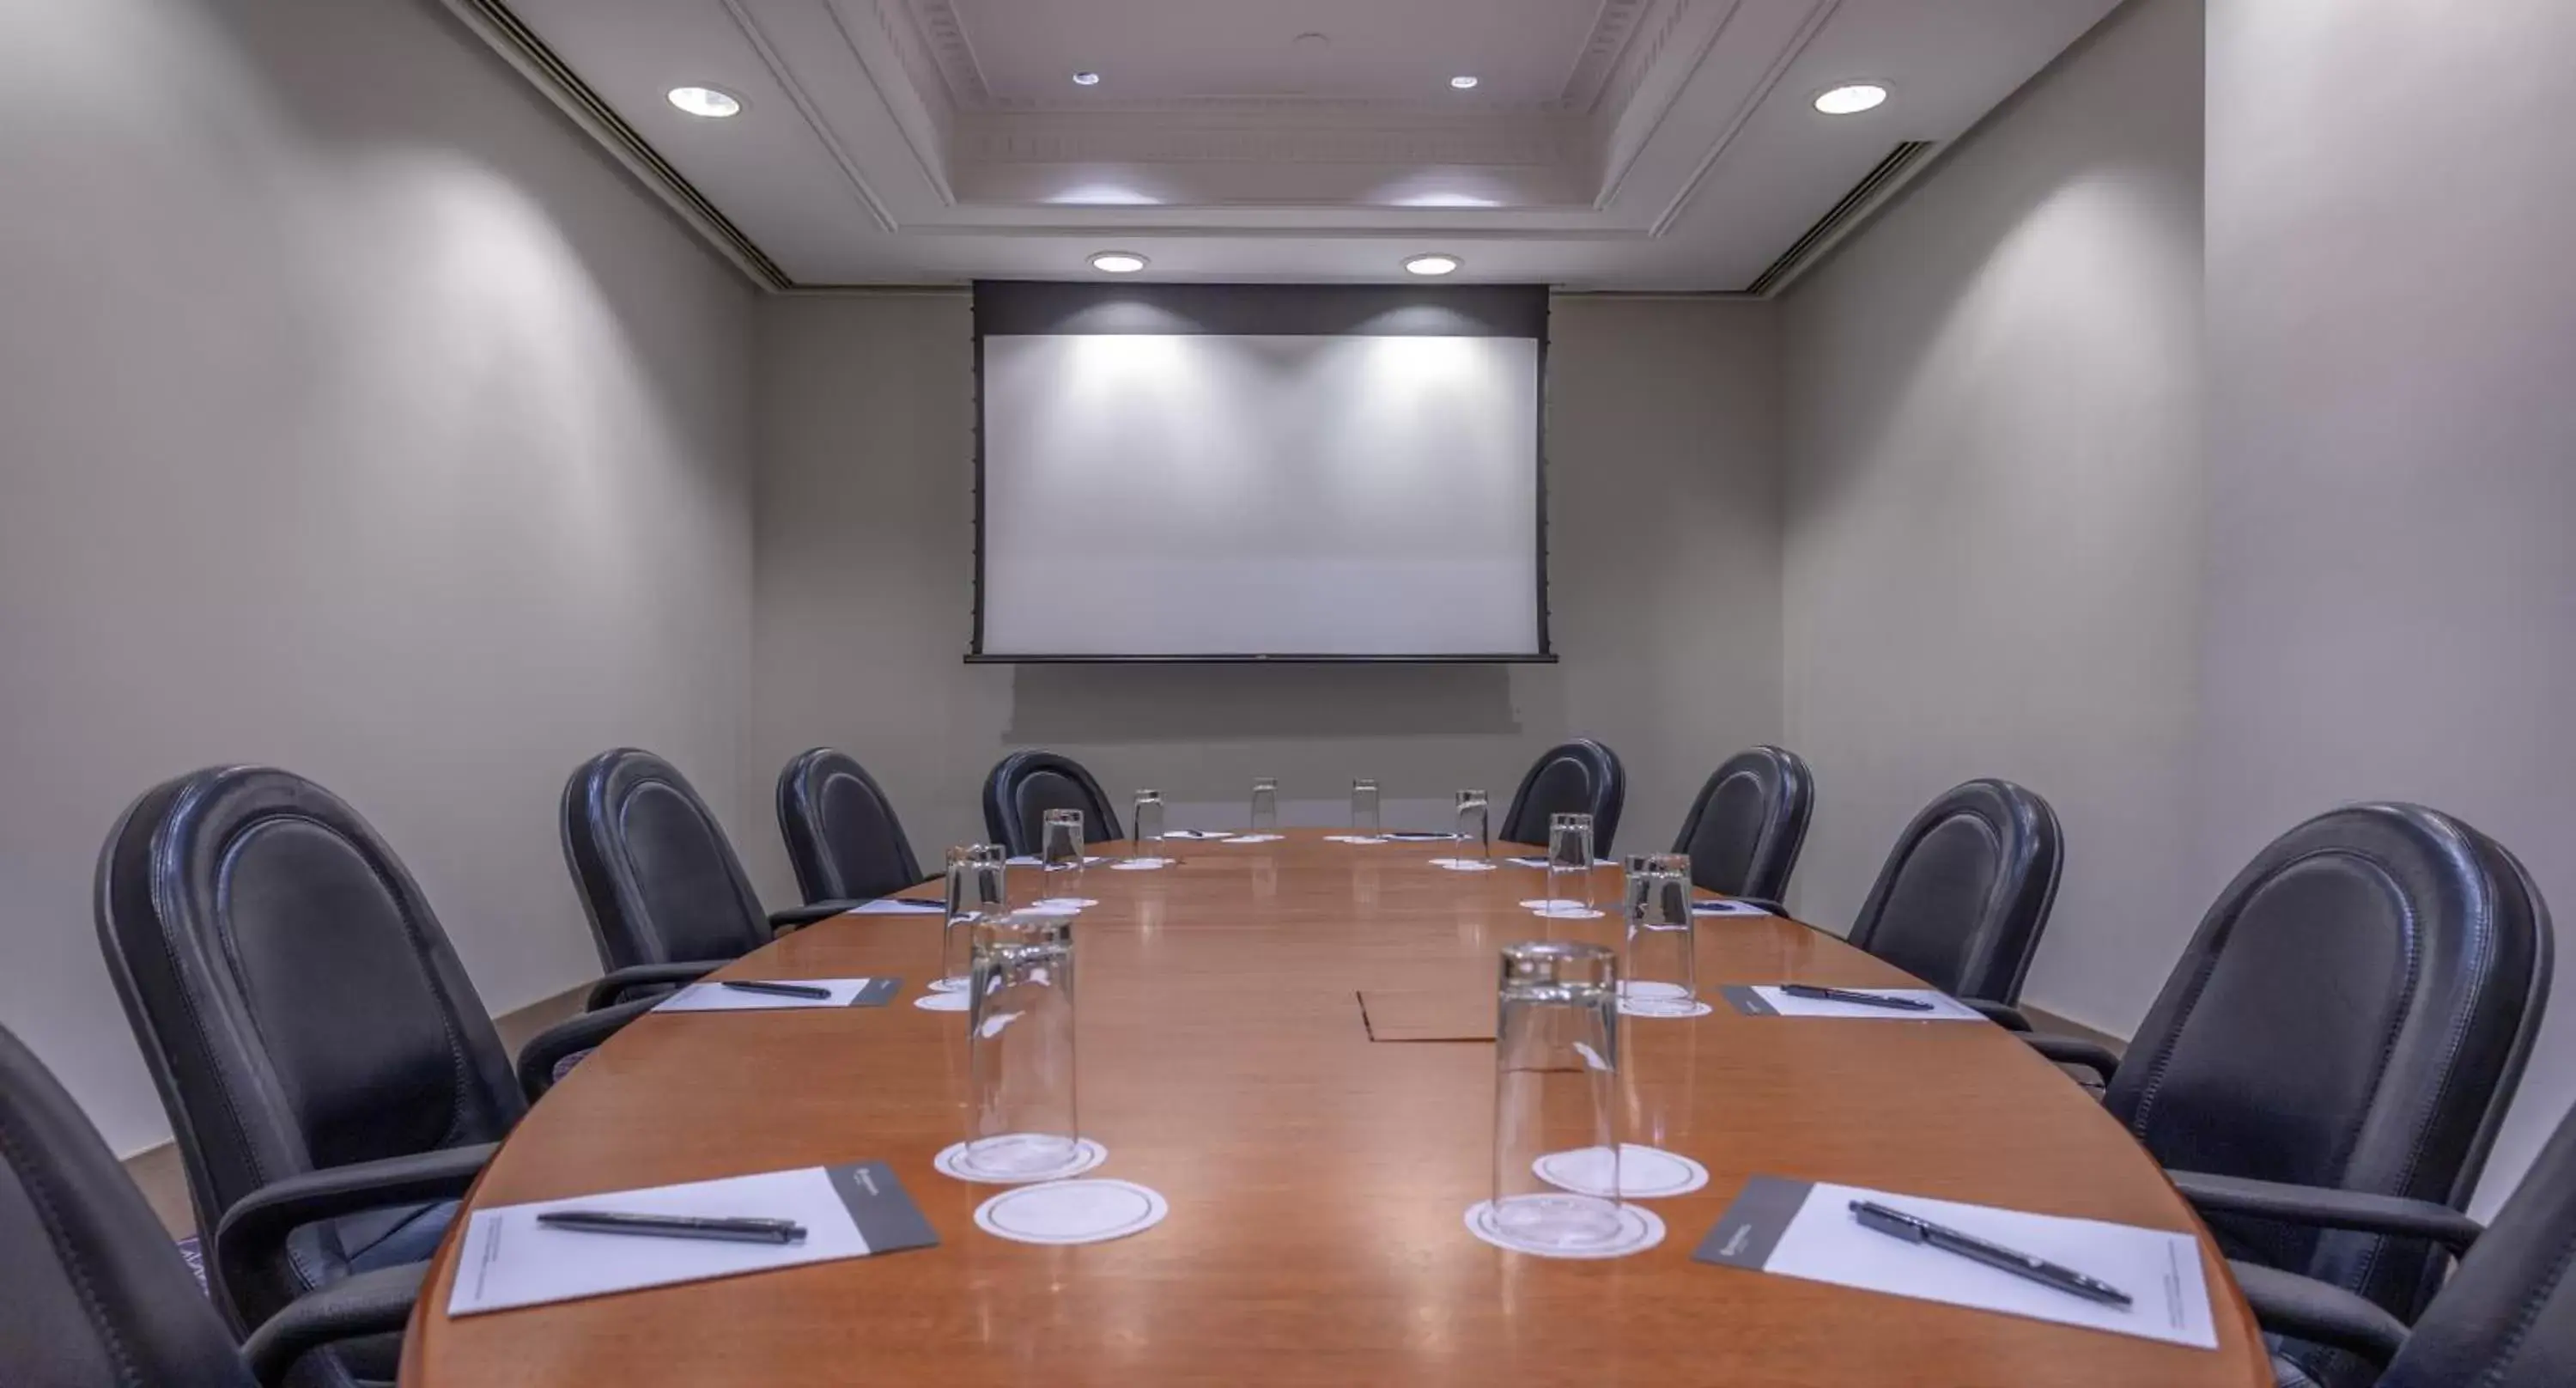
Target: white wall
[2392,438]
[355,416]
[1994,504]
[1663,559]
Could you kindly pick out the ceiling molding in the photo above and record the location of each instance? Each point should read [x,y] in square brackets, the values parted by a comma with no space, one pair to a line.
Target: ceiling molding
[1644,59]
[944,35]
[519,46]
[759,41]
[1816,17]
[917,76]
[1312,133]
[1604,54]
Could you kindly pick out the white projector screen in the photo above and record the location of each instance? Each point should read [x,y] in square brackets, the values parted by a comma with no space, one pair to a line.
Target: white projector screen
[1230,495]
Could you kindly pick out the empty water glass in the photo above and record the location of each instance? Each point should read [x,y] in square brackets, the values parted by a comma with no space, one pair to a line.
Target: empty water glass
[1475,826]
[1024,1124]
[978,885]
[1060,848]
[1569,862]
[1556,1084]
[1265,804]
[1364,807]
[1146,825]
[1661,977]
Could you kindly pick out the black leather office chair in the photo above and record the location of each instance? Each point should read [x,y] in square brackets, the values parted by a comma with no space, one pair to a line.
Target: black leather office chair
[93,1295]
[667,898]
[333,1080]
[842,835]
[1966,892]
[2506,1319]
[1744,830]
[1578,777]
[1025,785]
[2350,1020]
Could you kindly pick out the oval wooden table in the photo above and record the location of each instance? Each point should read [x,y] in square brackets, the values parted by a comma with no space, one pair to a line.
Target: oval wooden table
[1317,1179]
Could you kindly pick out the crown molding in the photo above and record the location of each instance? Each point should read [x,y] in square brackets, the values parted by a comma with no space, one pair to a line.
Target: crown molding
[1297,133]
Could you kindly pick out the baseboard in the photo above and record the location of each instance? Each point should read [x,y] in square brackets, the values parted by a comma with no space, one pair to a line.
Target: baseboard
[165,1184]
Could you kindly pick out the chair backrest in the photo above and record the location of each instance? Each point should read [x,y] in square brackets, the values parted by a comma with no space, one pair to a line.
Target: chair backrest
[1966,891]
[654,869]
[1744,830]
[92,1294]
[1578,777]
[295,998]
[2353,1012]
[842,835]
[2507,1318]
[1025,785]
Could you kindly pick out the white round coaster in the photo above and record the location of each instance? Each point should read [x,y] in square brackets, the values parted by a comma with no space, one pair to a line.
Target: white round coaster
[1141,864]
[941,1002]
[1353,838]
[1556,903]
[1662,1007]
[1645,1173]
[1256,838]
[1567,911]
[1072,1212]
[1640,1229]
[951,1161]
[1462,864]
[950,985]
[1061,905]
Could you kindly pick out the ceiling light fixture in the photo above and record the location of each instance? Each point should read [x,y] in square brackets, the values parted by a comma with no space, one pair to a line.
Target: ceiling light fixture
[1086,79]
[707,102]
[1436,263]
[1462,82]
[1852,99]
[1117,262]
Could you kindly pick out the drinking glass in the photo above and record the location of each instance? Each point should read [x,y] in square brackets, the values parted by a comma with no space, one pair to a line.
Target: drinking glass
[1265,804]
[1020,1038]
[1475,826]
[1661,977]
[1060,852]
[1556,1084]
[978,885]
[1364,807]
[1146,825]
[1569,861]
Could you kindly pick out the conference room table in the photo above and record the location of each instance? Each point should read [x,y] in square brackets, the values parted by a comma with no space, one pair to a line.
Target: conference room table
[1317,1179]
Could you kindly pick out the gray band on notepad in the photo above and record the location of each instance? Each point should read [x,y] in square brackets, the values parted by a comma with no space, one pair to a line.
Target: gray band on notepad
[877,992]
[1746,1001]
[880,1207]
[1752,1226]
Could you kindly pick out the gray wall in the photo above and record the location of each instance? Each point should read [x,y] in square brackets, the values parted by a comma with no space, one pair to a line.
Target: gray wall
[1994,504]
[354,416]
[2392,438]
[1663,555]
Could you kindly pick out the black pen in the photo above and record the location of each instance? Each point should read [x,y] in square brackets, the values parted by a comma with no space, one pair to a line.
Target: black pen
[1809,990]
[1899,1225]
[723,1230]
[780,990]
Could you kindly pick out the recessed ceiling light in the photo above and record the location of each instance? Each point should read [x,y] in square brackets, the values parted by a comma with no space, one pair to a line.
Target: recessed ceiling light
[1462,82]
[1117,262]
[1086,79]
[706,101]
[1850,100]
[1435,263]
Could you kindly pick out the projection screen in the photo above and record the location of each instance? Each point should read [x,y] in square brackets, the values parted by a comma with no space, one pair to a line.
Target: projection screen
[1234,473]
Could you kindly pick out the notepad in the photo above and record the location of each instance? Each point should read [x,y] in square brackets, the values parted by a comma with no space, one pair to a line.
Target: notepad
[1805,1229]
[845,992]
[1528,861]
[1768,1000]
[853,1211]
[1032,860]
[898,906]
[1726,908]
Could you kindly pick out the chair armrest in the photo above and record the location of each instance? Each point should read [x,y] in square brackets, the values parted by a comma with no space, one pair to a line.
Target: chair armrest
[614,988]
[2007,1017]
[787,918]
[2320,1206]
[2067,1050]
[2304,1308]
[546,1049]
[366,1303]
[251,1232]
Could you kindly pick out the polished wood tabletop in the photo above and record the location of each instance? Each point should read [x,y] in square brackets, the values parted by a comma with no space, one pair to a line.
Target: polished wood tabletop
[1317,1179]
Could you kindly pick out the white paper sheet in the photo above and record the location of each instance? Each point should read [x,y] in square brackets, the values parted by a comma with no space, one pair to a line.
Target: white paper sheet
[1032,860]
[892,907]
[1944,1007]
[715,997]
[509,1259]
[2160,1270]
